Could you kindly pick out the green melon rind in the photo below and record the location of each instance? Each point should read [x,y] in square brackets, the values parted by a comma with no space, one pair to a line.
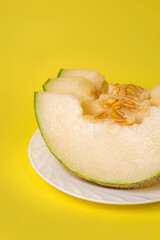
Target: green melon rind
[60,72]
[46,83]
[144,183]
[48,80]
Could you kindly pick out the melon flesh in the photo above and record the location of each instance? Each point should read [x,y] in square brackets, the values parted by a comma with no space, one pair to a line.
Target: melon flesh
[79,86]
[92,75]
[99,151]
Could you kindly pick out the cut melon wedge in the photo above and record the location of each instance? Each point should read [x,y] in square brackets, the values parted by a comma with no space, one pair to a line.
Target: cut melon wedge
[79,86]
[92,75]
[97,150]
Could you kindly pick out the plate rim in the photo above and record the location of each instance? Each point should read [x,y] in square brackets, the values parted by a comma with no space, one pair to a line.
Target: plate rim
[139,202]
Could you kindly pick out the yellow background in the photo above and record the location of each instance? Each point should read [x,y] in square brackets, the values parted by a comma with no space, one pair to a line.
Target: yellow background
[120,39]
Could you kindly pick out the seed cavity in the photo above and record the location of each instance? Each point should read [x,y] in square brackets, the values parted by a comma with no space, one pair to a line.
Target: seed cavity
[125,104]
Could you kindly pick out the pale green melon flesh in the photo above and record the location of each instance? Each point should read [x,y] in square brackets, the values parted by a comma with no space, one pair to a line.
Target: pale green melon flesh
[92,75]
[99,151]
[81,87]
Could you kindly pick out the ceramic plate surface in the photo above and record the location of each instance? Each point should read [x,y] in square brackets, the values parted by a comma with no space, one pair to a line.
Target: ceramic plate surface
[53,172]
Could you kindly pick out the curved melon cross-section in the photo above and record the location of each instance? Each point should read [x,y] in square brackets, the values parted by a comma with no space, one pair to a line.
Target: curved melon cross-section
[105,153]
[91,75]
[83,88]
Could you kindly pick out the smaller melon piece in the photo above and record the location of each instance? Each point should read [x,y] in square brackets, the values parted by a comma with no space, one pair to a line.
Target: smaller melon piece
[79,86]
[92,75]
[155,95]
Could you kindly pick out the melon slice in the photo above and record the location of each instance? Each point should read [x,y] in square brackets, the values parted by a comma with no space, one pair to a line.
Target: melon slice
[79,86]
[98,149]
[83,88]
[92,75]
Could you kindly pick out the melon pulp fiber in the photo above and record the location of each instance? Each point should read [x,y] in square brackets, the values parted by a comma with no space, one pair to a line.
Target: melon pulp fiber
[98,150]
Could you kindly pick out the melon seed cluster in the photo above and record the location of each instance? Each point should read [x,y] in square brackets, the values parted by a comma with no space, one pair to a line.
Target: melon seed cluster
[125,104]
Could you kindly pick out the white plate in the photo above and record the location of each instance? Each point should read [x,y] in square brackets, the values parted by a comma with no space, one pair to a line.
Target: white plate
[53,172]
